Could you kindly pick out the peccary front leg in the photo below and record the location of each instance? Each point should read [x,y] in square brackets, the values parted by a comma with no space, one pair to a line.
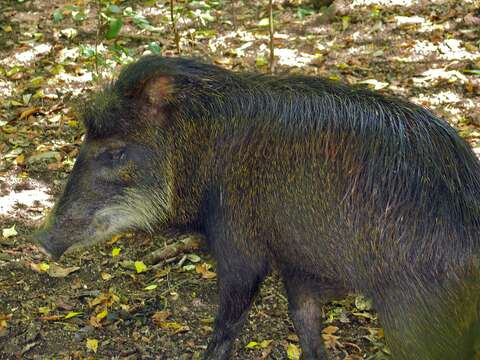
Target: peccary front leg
[304,299]
[238,281]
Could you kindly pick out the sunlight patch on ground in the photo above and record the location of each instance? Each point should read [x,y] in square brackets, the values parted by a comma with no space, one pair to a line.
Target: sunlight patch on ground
[384,2]
[441,98]
[421,50]
[158,10]
[421,24]
[75,84]
[451,104]
[427,26]
[433,76]
[36,198]
[231,37]
[6,88]
[409,20]
[292,57]
[455,114]
[360,50]
[68,53]
[400,2]
[86,77]
[449,49]
[452,49]
[27,56]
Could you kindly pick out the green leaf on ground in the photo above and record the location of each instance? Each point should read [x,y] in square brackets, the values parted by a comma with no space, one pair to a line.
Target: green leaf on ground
[9,232]
[114,28]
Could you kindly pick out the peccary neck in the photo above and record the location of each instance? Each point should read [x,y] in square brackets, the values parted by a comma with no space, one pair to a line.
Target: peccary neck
[191,161]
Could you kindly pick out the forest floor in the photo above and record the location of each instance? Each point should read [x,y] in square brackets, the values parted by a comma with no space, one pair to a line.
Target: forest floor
[103,302]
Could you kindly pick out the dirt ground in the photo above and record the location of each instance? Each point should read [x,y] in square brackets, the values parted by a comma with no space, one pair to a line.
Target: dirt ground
[104,302]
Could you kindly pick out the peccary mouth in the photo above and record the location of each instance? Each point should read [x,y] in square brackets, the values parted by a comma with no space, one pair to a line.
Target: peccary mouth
[104,224]
[48,246]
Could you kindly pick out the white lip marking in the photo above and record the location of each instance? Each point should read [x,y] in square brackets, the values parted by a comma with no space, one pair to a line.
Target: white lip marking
[134,210]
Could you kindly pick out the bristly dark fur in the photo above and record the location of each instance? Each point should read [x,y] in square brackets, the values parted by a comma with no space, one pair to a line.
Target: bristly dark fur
[392,132]
[337,187]
[407,144]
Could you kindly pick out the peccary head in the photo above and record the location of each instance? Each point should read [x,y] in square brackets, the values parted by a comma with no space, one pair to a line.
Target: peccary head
[123,176]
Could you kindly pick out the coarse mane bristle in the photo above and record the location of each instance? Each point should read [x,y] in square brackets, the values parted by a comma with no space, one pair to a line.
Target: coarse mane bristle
[293,105]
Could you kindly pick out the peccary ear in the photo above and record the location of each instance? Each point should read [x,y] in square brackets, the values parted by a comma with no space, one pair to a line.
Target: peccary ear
[156,90]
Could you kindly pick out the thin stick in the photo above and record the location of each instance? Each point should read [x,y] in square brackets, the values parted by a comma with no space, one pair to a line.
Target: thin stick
[272,52]
[234,14]
[174,28]
[97,35]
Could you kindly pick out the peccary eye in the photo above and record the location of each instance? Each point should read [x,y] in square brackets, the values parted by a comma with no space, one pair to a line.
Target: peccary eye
[118,155]
[112,155]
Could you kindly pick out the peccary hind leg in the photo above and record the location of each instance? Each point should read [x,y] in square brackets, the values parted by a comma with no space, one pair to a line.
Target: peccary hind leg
[305,297]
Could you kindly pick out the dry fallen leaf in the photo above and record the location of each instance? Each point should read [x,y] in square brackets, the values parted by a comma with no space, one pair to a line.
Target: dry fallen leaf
[41,267]
[72,314]
[261,345]
[102,314]
[92,345]
[52,166]
[329,330]
[60,272]
[20,159]
[95,322]
[172,326]
[114,239]
[105,276]
[150,287]
[107,299]
[160,316]
[203,270]
[9,232]
[331,341]
[51,318]
[29,112]
[116,251]
[140,266]
[44,310]
[293,337]
[4,320]
[293,352]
